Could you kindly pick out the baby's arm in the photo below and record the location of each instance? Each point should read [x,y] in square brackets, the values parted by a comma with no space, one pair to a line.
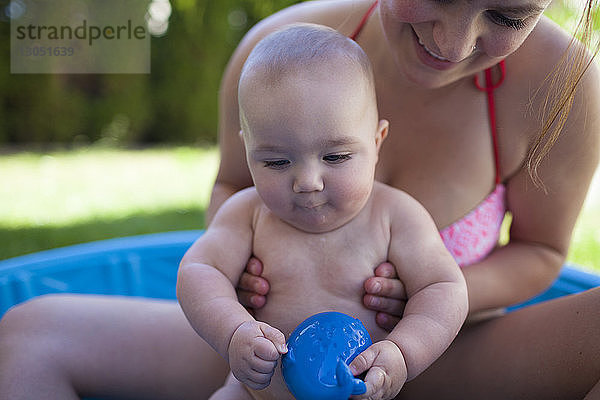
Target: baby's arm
[436,308]
[207,276]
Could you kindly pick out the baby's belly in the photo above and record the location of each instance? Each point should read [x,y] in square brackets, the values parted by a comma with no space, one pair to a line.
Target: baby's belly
[286,315]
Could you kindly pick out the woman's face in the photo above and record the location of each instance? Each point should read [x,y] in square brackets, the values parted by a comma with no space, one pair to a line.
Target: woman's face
[437,42]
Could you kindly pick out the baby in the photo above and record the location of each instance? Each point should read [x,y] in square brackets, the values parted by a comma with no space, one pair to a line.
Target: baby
[319,223]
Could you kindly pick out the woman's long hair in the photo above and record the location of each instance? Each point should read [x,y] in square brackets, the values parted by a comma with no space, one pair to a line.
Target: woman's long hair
[562,83]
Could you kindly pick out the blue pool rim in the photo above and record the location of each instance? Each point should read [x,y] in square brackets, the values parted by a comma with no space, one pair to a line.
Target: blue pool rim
[141,266]
[146,266]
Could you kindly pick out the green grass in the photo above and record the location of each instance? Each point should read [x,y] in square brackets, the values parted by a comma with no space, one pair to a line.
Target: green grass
[31,239]
[585,244]
[61,198]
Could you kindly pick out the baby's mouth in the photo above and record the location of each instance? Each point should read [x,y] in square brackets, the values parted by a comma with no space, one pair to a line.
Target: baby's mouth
[313,206]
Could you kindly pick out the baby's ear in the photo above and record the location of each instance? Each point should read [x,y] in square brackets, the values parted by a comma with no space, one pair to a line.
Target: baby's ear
[382,132]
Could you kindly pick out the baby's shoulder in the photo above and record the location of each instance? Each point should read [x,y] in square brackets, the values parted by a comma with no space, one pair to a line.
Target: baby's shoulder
[247,197]
[399,207]
[240,206]
[386,197]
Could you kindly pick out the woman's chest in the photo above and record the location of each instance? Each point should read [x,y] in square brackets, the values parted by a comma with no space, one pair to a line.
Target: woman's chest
[442,154]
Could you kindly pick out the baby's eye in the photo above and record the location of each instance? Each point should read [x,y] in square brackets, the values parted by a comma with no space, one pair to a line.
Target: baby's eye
[276,164]
[503,20]
[336,158]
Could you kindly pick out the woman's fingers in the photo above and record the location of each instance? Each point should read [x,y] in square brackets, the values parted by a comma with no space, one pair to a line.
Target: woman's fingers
[251,300]
[389,310]
[384,304]
[385,283]
[251,280]
[386,321]
[385,294]
[252,283]
[386,270]
[254,266]
[252,288]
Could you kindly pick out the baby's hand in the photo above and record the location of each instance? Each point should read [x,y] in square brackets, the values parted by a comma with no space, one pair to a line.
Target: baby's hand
[253,353]
[387,370]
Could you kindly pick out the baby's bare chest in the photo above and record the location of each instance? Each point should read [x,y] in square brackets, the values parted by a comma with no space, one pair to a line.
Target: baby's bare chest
[310,273]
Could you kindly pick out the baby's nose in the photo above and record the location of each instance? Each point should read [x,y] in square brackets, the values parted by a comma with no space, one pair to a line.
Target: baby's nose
[308,180]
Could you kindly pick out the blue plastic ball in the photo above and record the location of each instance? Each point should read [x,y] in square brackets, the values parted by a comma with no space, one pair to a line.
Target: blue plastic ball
[319,352]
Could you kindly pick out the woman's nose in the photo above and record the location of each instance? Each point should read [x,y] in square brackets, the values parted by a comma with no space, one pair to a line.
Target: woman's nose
[308,180]
[455,37]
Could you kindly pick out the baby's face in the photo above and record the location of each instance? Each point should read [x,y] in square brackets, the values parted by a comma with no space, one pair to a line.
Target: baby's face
[312,146]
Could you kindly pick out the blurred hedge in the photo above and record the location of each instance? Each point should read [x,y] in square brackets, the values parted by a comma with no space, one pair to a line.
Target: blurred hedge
[176,103]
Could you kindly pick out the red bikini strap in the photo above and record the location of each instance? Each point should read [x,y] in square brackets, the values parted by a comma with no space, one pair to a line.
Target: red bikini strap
[489,89]
[363,21]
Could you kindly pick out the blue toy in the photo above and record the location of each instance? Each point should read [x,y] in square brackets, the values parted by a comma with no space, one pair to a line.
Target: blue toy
[319,352]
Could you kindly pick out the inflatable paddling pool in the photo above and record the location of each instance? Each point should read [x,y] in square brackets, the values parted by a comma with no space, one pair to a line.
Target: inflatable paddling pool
[146,266]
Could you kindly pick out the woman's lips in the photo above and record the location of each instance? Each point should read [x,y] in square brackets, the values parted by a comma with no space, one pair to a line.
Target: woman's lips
[429,58]
[431,53]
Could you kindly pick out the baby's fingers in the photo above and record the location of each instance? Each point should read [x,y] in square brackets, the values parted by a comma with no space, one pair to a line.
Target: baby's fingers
[376,384]
[363,361]
[265,350]
[262,366]
[257,380]
[379,386]
[256,374]
[275,337]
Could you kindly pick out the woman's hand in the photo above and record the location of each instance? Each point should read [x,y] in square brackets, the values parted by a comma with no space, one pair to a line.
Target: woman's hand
[253,288]
[386,295]
[384,292]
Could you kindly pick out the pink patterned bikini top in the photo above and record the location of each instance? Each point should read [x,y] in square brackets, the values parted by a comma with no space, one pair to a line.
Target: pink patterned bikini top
[474,236]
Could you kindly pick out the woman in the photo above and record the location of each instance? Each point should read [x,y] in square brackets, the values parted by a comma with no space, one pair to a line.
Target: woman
[452,143]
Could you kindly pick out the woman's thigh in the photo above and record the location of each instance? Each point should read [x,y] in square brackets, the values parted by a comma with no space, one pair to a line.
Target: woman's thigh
[546,351]
[121,346]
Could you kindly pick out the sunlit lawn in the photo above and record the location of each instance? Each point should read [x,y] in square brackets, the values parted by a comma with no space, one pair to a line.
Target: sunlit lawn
[56,199]
[60,198]
[585,247]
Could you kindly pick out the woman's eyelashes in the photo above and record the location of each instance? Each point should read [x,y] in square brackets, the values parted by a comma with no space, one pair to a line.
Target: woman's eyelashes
[497,17]
[503,20]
